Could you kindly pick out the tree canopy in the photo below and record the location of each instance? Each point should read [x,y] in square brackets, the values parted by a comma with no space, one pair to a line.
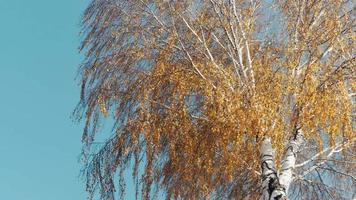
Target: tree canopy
[194,86]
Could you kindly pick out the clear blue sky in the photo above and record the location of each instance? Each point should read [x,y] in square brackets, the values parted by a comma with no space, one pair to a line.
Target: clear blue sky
[39,144]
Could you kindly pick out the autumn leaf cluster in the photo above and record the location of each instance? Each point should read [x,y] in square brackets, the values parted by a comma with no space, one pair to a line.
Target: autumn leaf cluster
[194,85]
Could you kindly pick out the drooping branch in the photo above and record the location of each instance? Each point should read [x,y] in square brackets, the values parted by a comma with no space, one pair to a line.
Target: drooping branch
[146,60]
[335,149]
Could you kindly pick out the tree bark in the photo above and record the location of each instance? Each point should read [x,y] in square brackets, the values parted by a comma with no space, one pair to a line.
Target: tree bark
[275,184]
[288,162]
[271,187]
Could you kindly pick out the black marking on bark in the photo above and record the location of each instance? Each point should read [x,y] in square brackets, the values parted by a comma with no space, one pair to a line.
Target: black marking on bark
[282,170]
[274,186]
[278,197]
[292,150]
[267,155]
[265,164]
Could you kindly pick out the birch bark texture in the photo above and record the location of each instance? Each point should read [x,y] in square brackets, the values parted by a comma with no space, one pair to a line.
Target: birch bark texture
[275,184]
[209,100]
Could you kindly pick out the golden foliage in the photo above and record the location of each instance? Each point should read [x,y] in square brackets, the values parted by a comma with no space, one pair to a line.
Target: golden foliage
[194,88]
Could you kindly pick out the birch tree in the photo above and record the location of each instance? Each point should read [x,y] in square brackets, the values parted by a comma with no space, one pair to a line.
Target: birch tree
[218,99]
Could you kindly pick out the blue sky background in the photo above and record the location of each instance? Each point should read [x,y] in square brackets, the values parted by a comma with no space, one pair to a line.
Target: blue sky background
[39,143]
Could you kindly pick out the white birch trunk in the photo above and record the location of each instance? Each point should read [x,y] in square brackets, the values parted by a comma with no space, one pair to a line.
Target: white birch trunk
[288,162]
[275,185]
[271,187]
